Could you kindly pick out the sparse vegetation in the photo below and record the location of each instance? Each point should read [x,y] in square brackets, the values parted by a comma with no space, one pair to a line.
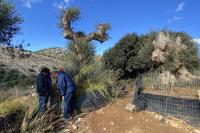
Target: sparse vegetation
[14,78]
[10,106]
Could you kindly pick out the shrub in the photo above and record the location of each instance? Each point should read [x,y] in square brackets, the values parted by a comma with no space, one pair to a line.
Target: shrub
[13,78]
[10,106]
[9,21]
[132,55]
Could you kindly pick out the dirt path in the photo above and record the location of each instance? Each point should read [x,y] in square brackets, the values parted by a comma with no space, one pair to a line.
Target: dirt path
[114,119]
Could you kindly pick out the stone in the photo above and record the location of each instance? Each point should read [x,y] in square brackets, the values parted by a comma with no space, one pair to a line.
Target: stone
[172,123]
[198,91]
[80,119]
[159,117]
[74,127]
[112,123]
[67,130]
[130,107]
[196,131]
[131,118]
[33,94]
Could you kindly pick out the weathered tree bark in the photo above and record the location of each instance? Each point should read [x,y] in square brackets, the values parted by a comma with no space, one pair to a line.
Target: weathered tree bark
[73,14]
[162,44]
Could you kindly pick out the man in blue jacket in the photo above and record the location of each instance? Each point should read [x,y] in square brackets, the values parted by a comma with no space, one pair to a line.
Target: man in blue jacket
[66,88]
[43,88]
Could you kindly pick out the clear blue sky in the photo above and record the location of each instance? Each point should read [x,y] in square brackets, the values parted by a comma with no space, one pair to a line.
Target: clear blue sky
[41,30]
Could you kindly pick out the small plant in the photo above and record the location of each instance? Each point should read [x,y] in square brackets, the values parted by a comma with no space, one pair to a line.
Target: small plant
[10,106]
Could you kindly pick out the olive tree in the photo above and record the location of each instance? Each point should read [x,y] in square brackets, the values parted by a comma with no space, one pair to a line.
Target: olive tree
[10,22]
[68,17]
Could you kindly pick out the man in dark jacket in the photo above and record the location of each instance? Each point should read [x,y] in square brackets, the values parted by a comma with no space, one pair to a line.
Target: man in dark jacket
[43,88]
[66,88]
[138,99]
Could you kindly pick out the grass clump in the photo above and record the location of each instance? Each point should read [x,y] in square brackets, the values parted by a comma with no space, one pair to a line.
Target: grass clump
[10,106]
[14,78]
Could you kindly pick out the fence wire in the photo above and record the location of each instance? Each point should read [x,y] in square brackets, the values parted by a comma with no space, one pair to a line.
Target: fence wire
[179,99]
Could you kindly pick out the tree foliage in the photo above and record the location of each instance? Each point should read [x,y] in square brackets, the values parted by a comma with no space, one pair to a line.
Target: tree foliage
[9,22]
[132,54]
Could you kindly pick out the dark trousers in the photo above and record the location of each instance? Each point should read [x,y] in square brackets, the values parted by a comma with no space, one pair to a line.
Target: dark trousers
[43,100]
[68,104]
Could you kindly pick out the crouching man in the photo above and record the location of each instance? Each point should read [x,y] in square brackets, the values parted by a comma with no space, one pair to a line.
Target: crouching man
[138,102]
[138,99]
[67,89]
[43,88]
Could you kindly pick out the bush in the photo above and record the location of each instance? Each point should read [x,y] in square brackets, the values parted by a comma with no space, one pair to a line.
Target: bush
[10,106]
[13,78]
[9,21]
[132,55]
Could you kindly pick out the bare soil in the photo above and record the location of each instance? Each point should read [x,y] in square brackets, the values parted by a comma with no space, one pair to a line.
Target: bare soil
[176,92]
[115,119]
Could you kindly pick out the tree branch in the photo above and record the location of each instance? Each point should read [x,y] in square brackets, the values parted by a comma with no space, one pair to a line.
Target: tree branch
[100,35]
[72,14]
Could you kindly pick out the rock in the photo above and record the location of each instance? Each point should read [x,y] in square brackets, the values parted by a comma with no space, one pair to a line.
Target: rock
[130,107]
[80,119]
[172,123]
[104,129]
[196,131]
[159,117]
[112,123]
[131,118]
[74,127]
[33,94]
[67,130]
[198,91]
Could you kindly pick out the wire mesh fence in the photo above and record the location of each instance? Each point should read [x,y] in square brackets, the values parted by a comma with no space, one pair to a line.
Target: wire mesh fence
[179,98]
[90,101]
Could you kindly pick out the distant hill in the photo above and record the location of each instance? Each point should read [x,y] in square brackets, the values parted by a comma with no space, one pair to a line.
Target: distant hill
[56,53]
[29,62]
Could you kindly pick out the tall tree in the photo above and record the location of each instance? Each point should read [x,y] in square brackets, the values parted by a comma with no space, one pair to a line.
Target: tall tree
[9,22]
[68,16]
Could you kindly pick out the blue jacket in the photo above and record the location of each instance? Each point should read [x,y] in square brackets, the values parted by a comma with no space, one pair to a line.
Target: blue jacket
[43,84]
[65,83]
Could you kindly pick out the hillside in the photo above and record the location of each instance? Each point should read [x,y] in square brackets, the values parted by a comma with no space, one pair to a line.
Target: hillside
[56,53]
[30,62]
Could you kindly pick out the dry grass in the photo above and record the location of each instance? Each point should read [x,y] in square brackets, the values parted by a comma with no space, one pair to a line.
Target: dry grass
[10,106]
